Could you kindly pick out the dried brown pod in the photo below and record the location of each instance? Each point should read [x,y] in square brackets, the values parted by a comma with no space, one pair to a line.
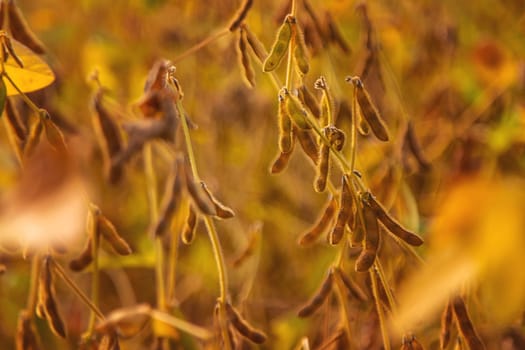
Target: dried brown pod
[336,137]
[188,231]
[280,162]
[465,326]
[325,109]
[358,233]
[411,343]
[362,126]
[240,15]
[233,339]
[222,211]
[257,47]
[53,133]
[285,126]
[351,286]
[14,121]
[46,299]
[109,134]
[335,35]
[323,166]
[3,269]
[321,225]
[160,343]
[171,198]
[144,131]
[109,342]
[163,127]
[296,110]
[371,57]
[244,59]
[198,195]
[415,147]
[311,37]
[250,247]
[300,50]
[369,110]
[366,259]
[107,123]
[150,103]
[317,23]
[308,144]
[392,225]
[327,101]
[319,297]
[345,211]
[111,235]
[84,259]
[280,45]
[243,327]
[446,324]
[26,335]
[20,29]
[35,131]
[309,100]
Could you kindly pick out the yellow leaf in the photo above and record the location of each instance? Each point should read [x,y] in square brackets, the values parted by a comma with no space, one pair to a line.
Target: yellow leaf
[35,75]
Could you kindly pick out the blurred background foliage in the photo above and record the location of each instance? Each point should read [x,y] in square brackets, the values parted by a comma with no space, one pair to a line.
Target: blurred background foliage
[455,69]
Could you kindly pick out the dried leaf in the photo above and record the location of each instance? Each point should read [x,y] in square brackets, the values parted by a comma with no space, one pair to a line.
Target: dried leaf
[35,75]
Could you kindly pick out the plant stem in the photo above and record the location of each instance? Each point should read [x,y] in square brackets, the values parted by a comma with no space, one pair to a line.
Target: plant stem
[382,278]
[380,315]
[172,261]
[289,65]
[60,271]
[95,278]
[36,264]
[214,239]
[180,324]
[353,131]
[151,188]
[343,302]
[212,233]
[5,24]
[26,99]
[208,40]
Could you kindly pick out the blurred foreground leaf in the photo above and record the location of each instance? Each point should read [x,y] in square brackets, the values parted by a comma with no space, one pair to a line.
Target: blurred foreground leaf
[477,240]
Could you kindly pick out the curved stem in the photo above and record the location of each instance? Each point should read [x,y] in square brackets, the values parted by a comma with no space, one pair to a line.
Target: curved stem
[219,258]
[214,238]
